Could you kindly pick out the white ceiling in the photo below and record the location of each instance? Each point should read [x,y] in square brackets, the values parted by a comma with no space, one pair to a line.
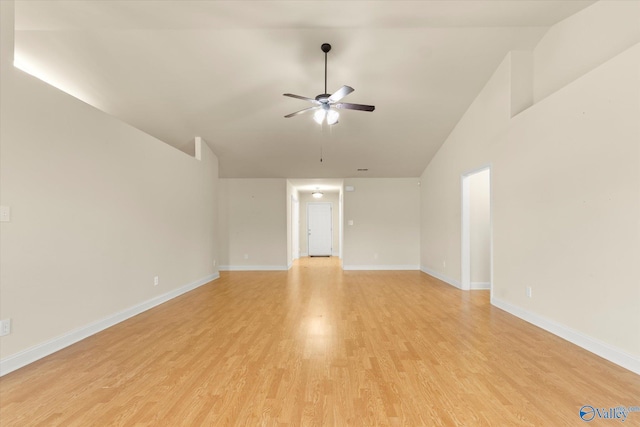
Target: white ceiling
[218,69]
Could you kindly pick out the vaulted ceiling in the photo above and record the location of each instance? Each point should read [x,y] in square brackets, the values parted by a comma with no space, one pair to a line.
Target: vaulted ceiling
[218,69]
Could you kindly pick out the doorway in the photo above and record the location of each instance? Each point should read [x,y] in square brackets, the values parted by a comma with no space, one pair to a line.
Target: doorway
[477,255]
[319,229]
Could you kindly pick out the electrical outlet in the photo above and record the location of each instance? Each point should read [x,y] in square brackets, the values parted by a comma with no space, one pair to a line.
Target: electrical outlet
[444,264]
[5,327]
[246,256]
[156,280]
[215,262]
[529,292]
[5,213]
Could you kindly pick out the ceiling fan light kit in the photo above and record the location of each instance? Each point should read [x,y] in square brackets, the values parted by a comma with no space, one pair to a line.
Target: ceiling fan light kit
[326,105]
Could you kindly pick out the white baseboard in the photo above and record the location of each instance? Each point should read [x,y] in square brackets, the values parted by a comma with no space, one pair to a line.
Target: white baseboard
[442,277]
[593,345]
[480,286]
[305,254]
[380,267]
[253,268]
[30,355]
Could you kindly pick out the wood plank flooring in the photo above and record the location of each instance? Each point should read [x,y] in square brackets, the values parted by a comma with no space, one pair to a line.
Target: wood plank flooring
[318,346]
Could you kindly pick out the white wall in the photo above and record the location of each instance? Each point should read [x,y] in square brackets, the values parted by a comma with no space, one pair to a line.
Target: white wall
[98,209]
[386,224]
[341,222]
[253,224]
[582,42]
[329,197]
[566,198]
[293,224]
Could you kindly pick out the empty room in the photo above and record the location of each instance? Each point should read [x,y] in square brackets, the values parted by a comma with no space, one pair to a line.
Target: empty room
[319,213]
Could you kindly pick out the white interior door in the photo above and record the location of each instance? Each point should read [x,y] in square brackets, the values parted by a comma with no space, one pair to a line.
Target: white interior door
[319,229]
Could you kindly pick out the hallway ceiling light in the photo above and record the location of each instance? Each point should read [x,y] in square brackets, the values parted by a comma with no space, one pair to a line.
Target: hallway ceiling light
[317,194]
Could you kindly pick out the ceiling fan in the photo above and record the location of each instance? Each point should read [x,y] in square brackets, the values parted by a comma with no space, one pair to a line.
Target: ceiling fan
[326,105]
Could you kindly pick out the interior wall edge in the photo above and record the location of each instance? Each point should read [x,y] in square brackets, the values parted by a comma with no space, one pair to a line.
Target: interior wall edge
[604,350]
[254,268]
[448,280]
[39,351]
[381,267]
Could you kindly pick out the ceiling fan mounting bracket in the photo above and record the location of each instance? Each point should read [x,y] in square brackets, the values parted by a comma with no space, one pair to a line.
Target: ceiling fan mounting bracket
[326,47]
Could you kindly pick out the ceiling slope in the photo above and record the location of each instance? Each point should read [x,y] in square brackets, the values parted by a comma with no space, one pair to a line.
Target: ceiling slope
[218,69]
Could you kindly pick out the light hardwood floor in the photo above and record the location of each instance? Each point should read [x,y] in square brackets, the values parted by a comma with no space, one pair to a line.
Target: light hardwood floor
[319,346]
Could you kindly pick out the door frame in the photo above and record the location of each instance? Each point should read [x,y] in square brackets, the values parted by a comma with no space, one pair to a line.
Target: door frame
[465,230]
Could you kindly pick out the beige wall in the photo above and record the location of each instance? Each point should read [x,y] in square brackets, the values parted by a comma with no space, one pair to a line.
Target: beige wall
[98,209]
[253,224]
[329,197]
[386,224]
[566,199]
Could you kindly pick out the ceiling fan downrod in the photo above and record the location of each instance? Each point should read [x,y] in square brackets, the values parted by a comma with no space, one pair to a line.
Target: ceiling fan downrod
[326,47]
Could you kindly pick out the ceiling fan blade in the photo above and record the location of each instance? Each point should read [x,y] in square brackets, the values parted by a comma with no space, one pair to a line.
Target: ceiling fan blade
[304,98]
[340,93]
[347,106]
[301,112]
